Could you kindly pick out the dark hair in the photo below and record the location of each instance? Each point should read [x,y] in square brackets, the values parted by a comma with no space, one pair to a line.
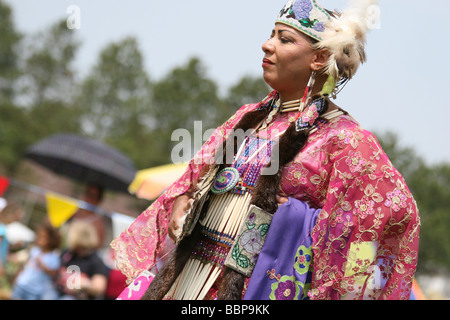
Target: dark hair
[54,237]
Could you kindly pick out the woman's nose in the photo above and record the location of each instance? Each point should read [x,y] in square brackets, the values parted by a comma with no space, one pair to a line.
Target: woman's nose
[268,46]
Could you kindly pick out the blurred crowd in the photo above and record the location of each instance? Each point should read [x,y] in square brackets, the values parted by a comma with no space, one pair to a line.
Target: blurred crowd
[68,263]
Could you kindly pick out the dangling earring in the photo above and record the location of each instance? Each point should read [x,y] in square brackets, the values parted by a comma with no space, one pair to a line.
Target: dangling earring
[306,118]
[308,91]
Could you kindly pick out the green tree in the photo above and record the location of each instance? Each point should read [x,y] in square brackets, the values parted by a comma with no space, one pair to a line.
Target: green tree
[247,90]
[184,96]
[9,54]
[12,119]
[13,142]
[48,82]
[42,79]
[431,188]
[115,100]
[48,72]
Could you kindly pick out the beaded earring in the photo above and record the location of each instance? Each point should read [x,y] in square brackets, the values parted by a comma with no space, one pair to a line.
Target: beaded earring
[308,91]
[306,118]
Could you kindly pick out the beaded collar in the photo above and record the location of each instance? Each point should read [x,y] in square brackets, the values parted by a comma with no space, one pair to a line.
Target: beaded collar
[305,118]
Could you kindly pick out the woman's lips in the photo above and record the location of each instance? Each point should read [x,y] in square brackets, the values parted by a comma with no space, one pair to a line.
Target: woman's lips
[267,62]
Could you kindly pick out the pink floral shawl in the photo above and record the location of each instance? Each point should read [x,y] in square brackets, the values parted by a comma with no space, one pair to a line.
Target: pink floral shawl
[365,241]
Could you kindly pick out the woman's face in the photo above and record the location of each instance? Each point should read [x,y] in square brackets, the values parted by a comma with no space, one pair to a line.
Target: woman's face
[288,59]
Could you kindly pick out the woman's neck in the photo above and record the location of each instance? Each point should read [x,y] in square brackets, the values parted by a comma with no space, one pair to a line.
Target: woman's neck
[290,94]
[289,97]
[285,99]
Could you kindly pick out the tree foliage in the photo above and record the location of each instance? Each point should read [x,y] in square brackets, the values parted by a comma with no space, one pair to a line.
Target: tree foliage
[48,73]
[9,53]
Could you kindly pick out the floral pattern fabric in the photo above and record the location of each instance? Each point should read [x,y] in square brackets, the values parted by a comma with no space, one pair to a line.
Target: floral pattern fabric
[305,15]
[364,199]
[284,268]
[249,242]
[301,10]
[364,203]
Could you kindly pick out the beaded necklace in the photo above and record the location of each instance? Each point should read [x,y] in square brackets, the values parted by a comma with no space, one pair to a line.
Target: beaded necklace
[253,154]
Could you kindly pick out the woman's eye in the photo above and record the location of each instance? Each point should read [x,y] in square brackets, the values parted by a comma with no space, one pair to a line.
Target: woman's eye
[283,40]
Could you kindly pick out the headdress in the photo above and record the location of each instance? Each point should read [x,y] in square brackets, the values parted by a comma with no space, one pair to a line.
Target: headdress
[343,34]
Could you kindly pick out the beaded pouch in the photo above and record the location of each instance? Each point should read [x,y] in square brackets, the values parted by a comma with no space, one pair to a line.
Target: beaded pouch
[249,241]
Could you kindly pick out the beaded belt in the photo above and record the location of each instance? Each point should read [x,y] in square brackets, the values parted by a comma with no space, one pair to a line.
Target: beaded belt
[213,247]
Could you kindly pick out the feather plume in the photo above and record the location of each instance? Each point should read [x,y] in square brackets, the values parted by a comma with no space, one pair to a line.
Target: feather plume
[345,38]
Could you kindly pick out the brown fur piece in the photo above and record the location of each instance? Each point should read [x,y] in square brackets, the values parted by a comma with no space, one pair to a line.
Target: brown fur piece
[268,185]
[231,285]
[252,119]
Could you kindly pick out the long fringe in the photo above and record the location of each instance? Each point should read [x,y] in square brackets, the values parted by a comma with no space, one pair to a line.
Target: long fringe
[291,143]
[267,187]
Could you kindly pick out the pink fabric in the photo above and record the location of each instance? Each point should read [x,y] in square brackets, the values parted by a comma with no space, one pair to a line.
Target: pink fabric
[365,241]
[136,249]
[137,288]
[367,235]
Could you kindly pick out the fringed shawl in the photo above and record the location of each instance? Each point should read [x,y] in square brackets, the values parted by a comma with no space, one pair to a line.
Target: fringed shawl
[365,240]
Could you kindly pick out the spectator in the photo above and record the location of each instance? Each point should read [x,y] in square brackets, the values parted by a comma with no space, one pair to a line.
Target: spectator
[83,275]
[36,281]
[93,195]
[10,213]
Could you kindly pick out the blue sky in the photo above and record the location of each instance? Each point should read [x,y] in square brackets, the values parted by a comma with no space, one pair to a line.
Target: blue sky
[402,87]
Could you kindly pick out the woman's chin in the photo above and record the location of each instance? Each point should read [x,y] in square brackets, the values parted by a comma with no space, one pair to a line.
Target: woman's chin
[269,80]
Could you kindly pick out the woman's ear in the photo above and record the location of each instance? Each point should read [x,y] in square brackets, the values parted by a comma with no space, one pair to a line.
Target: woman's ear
[320,59]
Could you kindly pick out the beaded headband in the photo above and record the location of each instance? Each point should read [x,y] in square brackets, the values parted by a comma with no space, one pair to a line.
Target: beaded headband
[306,16]
[343,34]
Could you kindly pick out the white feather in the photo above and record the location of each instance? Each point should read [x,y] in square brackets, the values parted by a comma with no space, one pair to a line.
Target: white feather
[345,37]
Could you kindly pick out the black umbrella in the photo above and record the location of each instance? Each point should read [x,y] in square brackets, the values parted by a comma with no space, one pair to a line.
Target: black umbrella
[85,160]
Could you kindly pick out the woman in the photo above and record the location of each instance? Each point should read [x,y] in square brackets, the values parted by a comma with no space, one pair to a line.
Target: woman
[93,195]
[83,275]
[343,224]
